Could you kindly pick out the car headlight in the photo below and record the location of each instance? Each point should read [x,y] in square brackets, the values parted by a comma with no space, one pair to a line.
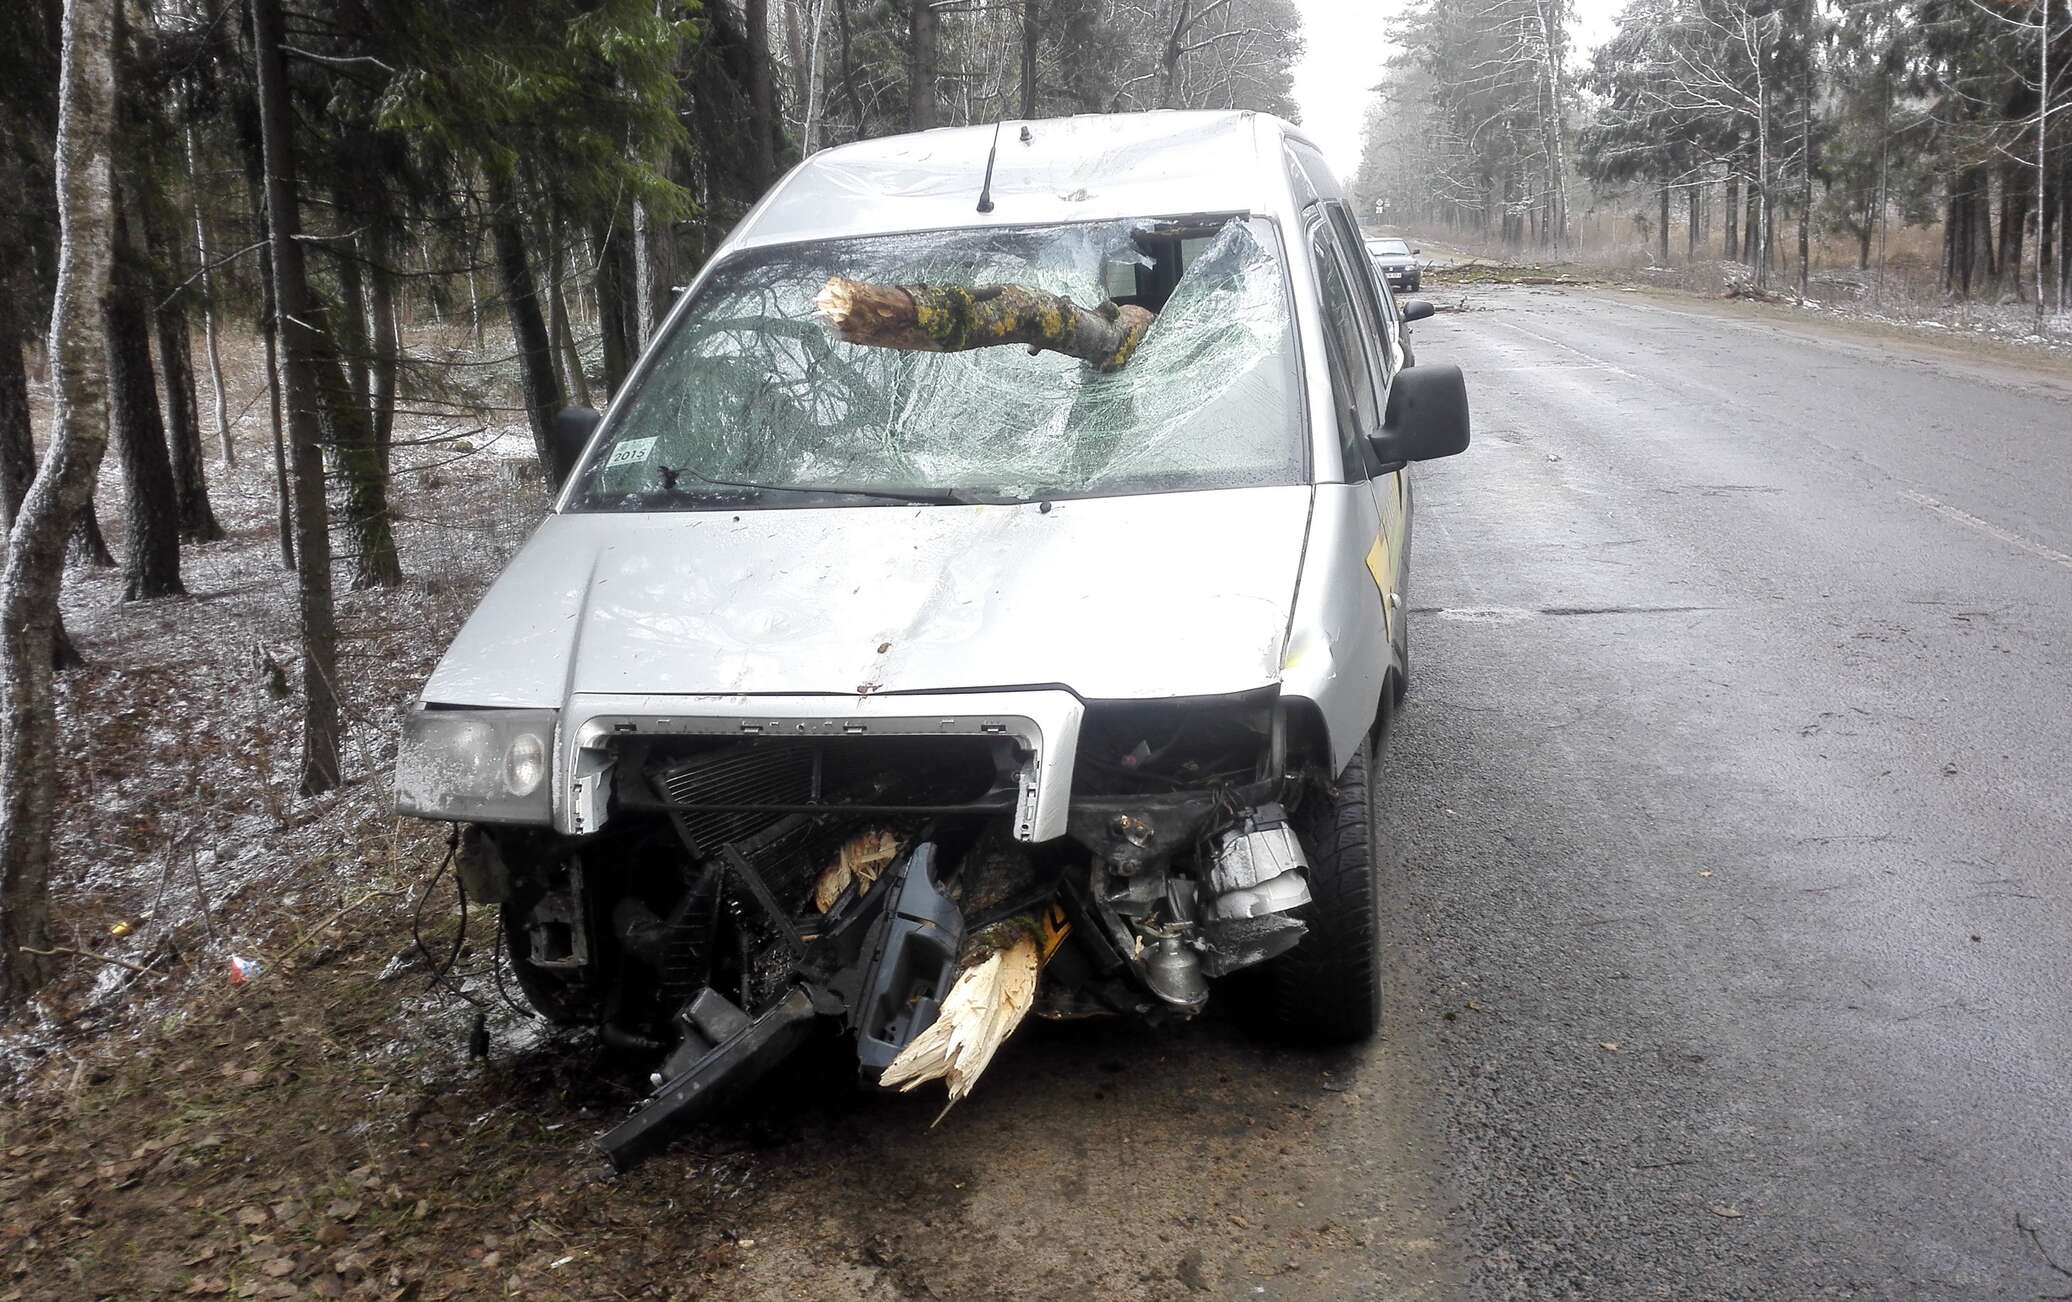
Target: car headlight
[477,766]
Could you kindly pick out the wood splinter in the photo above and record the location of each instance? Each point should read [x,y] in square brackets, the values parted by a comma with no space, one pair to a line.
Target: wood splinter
[955,319]
[994,990]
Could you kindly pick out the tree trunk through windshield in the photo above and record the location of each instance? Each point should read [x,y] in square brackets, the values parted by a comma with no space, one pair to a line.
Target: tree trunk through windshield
[954,319]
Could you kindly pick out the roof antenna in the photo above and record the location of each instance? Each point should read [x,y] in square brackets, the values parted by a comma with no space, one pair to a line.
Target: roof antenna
[985,192]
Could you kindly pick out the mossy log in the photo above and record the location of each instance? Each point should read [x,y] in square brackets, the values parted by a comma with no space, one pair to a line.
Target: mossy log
[955,319]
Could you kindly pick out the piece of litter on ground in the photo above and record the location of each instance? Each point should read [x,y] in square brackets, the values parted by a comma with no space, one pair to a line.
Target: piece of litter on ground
[1725,1212]
[559,1262]
[1609,1046]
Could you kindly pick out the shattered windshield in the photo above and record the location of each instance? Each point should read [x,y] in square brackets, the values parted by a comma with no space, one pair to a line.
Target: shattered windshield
[753,402]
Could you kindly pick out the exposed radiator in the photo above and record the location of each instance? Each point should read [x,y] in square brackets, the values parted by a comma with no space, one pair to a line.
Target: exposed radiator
[748,773]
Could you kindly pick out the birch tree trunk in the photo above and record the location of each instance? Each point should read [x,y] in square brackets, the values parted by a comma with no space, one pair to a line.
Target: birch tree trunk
[1553,48]
[292,309]
[388,348]
[1884,197]
[36,544]
[812,119]
[176,368]
[1762,169]
[226,448]
[1806,182]
[2042,162]
[643,277]
[18,457]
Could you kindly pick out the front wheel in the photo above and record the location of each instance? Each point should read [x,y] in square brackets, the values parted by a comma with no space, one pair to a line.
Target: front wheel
[1327,990]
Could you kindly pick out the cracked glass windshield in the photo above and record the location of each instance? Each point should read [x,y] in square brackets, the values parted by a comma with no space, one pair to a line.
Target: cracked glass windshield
[751,401]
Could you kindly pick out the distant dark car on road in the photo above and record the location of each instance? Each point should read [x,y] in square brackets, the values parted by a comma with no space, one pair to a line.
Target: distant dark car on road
[1397,263]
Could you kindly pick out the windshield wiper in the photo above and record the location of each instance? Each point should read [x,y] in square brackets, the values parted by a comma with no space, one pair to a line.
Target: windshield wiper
[927,496]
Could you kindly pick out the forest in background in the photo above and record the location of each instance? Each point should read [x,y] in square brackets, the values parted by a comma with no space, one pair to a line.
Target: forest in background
[532,180]
[1761,128]
[542,177]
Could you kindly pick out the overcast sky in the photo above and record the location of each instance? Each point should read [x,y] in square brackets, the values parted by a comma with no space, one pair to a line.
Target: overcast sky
[1346,42]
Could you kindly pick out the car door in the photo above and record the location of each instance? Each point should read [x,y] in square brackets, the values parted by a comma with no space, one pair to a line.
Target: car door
[1387,558]
[1339,640]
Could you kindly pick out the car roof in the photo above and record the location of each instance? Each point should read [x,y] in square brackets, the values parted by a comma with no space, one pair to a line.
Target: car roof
[1092,167]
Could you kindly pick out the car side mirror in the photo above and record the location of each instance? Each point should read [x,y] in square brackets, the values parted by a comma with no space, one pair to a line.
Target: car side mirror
[1415,309]
[1427,416]
[566,440]
[1415,252]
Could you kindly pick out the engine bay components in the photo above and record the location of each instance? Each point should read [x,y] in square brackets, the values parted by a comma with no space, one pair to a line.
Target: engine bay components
[1258,867]
[745,889]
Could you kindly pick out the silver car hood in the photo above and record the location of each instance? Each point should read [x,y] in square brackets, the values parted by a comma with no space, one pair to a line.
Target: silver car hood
[1176,594]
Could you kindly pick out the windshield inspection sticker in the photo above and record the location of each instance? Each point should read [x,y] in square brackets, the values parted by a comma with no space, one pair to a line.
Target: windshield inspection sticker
[630,451]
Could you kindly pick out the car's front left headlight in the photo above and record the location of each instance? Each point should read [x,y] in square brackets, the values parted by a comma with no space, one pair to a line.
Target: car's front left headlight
[477,766]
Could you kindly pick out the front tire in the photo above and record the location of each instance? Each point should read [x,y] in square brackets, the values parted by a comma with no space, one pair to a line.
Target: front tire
[1327,990]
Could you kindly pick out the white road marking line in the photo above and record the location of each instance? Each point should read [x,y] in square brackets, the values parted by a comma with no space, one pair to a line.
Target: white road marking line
[1544,366]
[1988,528]
[1568,348]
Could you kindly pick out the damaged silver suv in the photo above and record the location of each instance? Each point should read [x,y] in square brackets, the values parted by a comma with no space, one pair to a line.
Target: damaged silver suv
[985,597]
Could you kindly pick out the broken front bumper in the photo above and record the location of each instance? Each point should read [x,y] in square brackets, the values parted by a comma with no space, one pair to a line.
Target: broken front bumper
[688,820]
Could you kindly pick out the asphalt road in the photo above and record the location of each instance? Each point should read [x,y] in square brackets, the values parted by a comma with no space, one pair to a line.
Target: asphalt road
[1729,916]
[1735,809]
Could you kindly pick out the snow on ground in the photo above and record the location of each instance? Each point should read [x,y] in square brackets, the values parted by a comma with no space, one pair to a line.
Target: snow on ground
[180,832]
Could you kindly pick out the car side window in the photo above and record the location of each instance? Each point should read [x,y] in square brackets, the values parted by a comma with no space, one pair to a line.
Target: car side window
[1352,374]
[1366,288]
